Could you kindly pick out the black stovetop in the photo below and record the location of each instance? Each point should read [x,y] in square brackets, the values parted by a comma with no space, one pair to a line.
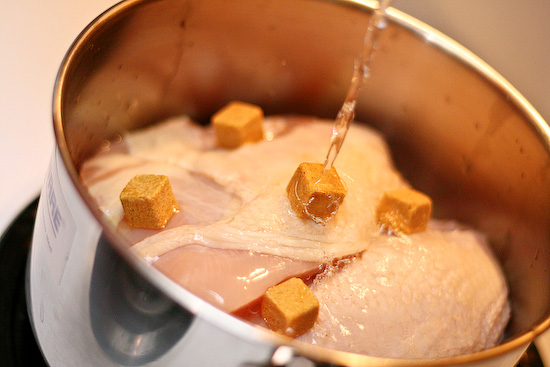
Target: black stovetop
[17,344]
[18,347]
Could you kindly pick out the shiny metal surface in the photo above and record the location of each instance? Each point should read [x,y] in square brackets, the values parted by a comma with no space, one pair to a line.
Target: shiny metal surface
[458,131]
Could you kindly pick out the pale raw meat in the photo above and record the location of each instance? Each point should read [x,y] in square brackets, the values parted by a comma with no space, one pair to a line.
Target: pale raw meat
[432,294]
[258,174]
[229,279]
[223,277]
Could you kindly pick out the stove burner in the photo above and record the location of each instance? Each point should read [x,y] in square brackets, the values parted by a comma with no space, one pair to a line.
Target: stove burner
[17,344]
[18,348]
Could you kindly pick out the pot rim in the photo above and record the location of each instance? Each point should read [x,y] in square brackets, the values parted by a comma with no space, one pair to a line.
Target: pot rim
[239,327]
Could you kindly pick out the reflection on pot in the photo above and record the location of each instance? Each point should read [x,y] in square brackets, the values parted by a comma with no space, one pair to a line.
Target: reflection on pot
[133,322]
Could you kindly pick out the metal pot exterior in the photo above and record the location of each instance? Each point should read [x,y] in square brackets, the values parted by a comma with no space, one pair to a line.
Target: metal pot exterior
[457,130]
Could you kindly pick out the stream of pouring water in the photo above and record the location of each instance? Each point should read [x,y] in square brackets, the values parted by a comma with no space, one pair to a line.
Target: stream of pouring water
[360,75]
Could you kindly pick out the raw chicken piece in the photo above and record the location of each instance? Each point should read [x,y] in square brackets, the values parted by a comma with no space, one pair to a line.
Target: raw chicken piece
[258,174]
[427,295]
[431,294]
[230,279]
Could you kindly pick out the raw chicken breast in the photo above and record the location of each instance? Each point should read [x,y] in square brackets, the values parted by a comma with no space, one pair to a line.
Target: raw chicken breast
[230,279]
[234,208]
[258,174]
[432,294]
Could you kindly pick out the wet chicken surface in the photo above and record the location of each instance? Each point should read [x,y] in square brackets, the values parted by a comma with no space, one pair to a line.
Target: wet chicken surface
[435,293]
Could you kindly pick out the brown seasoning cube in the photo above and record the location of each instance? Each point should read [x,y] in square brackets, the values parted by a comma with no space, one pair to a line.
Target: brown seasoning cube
[313,194]
[148,201]
[404,210]
[290,308]
[238,123]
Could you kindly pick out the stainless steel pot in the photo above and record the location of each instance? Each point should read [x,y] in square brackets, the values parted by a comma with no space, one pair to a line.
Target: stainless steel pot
[458,131]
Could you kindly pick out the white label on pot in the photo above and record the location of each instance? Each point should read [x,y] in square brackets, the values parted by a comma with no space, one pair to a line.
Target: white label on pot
[58,222]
